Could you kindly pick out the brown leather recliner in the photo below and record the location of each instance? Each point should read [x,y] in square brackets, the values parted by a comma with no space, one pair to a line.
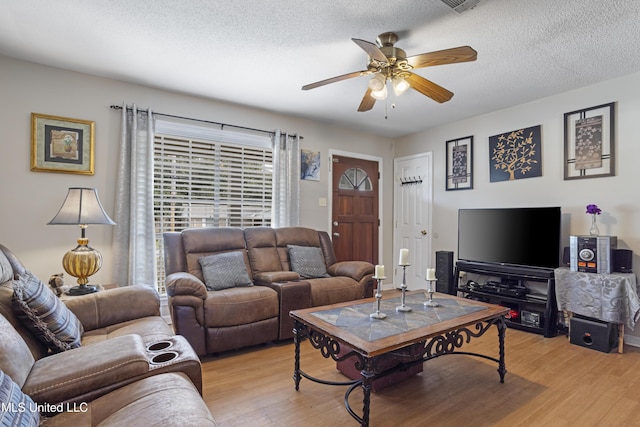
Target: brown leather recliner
[121,328]
[215,321]
[129,365]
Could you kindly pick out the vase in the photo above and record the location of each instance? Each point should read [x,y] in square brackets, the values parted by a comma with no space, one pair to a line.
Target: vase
[594,231]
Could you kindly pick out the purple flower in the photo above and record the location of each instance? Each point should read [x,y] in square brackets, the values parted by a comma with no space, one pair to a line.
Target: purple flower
[593,210]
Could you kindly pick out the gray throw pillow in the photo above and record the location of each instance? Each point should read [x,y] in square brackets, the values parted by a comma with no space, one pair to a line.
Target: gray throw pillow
[224,271]
[18,409]
[307,261]
[40,310]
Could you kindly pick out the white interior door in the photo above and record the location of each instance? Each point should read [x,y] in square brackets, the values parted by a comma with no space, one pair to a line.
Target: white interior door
[413,191]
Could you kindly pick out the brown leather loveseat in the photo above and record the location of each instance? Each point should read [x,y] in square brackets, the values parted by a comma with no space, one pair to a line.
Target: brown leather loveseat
[258,311]
[106,358]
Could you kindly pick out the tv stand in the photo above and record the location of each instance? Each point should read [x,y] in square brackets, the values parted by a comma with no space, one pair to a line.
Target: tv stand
[508,285]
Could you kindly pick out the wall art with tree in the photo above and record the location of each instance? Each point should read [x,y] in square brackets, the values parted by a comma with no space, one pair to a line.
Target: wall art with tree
[516,154]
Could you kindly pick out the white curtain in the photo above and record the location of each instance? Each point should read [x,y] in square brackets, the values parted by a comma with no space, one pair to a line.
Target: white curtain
[134,249]
[286,180]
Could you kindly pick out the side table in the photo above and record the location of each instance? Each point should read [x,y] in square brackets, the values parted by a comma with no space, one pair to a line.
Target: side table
[608,297]
[101,288]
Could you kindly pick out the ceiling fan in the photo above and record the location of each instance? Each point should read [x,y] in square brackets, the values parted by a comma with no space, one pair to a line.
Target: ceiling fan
[389,63]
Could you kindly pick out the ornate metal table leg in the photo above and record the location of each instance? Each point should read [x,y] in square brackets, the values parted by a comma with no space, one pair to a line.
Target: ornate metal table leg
[367,379]
[296,340]
[502,369]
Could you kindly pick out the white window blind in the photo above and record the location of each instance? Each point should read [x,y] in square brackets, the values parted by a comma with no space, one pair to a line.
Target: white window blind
[209,183]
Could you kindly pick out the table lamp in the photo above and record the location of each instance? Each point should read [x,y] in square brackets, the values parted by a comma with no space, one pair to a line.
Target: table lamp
[82,207]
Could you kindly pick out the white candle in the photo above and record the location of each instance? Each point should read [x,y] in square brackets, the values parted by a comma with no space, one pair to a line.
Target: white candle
[379,272]
[404,257]
[431,274]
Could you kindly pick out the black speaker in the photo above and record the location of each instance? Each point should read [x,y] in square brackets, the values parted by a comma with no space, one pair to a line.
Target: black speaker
[444,273]
[622,260]
[593,333]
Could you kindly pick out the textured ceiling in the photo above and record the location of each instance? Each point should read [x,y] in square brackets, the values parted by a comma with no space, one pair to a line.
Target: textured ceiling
[259,53]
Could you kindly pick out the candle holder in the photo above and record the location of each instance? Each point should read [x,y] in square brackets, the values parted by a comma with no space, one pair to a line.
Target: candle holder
[431,302]
[378,314]
[403,287]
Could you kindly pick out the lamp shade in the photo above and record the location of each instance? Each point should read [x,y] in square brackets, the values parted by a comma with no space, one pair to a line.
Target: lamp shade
[82,206]
[400,85]
[380,94]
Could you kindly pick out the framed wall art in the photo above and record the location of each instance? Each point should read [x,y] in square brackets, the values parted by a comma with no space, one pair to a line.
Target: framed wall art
[516,154]
[60,144]
[459,164]
[309,165]
[589,142]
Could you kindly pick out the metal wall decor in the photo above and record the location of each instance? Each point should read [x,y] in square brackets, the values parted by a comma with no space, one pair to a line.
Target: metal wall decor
[459,170]
[589,142]
[516,154]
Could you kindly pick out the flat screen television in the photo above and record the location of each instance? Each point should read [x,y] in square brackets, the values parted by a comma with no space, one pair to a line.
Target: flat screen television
[526,237]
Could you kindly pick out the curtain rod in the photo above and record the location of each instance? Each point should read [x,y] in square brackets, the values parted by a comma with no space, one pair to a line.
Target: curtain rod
[222,125]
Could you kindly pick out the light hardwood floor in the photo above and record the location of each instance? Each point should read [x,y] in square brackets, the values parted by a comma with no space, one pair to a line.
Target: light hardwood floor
[549,382]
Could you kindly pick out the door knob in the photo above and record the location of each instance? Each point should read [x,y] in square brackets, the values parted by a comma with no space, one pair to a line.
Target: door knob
[336,234]
[423,232]
[335,223]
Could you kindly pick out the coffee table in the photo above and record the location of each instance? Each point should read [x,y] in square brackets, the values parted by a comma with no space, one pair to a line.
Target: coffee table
[410,338]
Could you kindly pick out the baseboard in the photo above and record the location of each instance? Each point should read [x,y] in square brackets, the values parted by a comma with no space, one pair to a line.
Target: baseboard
[632,340]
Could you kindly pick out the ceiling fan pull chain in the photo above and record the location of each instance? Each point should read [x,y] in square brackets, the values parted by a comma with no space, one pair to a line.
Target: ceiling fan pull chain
[386,108]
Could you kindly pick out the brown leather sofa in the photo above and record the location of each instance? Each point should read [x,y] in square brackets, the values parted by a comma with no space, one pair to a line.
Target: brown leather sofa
[124,344]
[216,321]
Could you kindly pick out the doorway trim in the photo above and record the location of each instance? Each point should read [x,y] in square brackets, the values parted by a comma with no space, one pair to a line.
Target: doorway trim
[368,157]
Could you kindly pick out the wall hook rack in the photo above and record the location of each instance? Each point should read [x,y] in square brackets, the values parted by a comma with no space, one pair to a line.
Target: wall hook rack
[410,180]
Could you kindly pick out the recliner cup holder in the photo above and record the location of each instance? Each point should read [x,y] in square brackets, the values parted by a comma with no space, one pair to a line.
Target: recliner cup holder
[164,357]
[160,345]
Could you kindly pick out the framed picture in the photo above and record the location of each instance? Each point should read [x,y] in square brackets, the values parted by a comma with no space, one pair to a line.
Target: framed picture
[459,164]
[309,165]
[59,144]
[516,154]
[589,142]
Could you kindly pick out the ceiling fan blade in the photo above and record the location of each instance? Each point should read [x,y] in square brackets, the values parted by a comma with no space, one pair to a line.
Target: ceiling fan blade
[335,79]
[372,50]
[367,102]
[441,57]
[428,88]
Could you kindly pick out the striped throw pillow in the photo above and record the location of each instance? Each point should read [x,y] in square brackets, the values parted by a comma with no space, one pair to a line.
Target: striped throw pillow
[17,408]
[45,315]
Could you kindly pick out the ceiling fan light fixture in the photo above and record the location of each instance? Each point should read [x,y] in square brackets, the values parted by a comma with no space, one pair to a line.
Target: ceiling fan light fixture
[377,83]
[380,94]
[400,85]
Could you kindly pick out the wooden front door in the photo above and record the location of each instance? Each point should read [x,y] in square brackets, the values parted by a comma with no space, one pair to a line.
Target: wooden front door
[355,209]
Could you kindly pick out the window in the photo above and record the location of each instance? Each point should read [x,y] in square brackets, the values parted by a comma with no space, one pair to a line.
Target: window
[208,180]
[355,179]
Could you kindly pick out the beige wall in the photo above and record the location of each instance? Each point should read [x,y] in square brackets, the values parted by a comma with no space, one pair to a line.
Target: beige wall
[31,199]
